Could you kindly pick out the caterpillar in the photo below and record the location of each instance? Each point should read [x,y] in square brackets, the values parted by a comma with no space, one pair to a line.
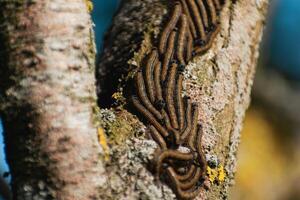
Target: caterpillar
[172,119]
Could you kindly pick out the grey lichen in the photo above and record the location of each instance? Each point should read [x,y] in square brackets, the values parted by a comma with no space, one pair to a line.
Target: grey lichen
[212,160]
[212,80]
[107,116]
[41,191]
[129,167]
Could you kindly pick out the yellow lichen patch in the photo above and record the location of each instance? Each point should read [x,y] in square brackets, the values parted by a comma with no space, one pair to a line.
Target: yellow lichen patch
[216,175]
[89,5]
[212,174]
[103,142]
[118,96]
[221,174]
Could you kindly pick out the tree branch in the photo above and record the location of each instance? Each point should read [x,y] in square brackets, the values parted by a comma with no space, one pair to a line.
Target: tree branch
[219,81]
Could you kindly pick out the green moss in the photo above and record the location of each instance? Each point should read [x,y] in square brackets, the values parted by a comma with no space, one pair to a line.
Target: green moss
[125,126]
[118,125]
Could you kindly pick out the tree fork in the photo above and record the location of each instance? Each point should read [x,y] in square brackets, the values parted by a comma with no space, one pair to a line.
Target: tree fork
[47,89]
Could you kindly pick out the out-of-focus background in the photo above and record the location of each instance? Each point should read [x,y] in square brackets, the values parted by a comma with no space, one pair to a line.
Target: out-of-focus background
[269,154]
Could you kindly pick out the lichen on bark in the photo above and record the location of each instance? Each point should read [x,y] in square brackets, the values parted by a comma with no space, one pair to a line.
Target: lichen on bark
[220,81]
[48,101]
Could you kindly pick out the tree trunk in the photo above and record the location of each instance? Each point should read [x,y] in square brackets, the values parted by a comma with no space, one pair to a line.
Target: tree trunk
[61,146]
[47,99]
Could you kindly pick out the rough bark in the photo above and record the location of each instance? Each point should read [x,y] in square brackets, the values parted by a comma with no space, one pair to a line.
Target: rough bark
[47,99]
[220,81]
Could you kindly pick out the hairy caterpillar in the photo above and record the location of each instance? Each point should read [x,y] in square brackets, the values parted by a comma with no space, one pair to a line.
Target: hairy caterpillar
[172,120]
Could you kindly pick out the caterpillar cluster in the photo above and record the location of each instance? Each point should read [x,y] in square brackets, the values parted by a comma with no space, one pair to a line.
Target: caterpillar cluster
[172,120]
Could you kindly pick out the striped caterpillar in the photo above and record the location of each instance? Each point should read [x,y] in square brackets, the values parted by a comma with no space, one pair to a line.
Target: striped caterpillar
[172,120]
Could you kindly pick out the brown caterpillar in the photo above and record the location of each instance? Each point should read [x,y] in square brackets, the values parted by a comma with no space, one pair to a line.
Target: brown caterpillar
[186,11]
[157,137]
[183,29]
[194,120]
[190,45]
[170,88]
[203,12]
[148,116]
[197,18]
[157,83]
[180,103]
[148,74]
[194,127]
[171,154]
[175,133]
[202,49]
[170,26]
[187,175]
[168,55]
[191,182]
[212,11]
[143,96]
[188,118]
[183,194]
[172,120]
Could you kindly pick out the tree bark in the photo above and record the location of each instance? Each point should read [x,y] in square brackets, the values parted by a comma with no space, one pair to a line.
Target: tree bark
[61,146]
[47,99]
[219,81]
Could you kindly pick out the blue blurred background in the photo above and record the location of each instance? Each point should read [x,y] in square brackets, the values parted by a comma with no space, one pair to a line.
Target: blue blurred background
[282,39]
[102,16]
[3,165]
[269,159]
